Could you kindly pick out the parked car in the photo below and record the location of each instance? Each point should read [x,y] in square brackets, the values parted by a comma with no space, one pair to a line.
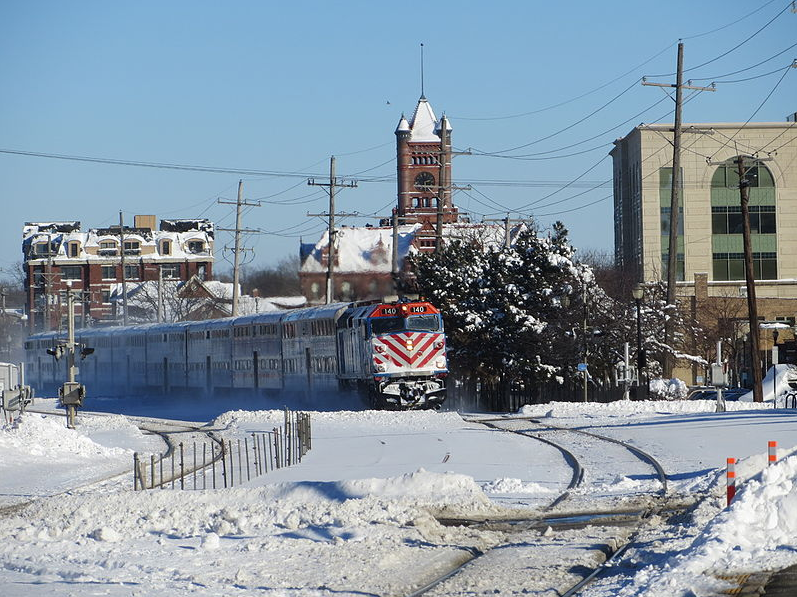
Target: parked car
[710,393]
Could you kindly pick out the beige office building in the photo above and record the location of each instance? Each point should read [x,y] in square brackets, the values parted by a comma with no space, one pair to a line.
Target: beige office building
[710,255]
[710,231]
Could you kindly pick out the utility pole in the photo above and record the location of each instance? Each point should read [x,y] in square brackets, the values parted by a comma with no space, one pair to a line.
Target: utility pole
[444,191]
[124,275]
[675,199]
[752,306]
[331,186]
[237,250]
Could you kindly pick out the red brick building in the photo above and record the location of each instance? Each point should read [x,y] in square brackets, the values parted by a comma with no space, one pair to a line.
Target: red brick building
[58,254]
[364,257]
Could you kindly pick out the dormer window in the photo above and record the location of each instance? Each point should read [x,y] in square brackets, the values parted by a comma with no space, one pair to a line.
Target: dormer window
[166,247]
[195,246]
[108,247]
[41,249]
[132,247]
[73,249]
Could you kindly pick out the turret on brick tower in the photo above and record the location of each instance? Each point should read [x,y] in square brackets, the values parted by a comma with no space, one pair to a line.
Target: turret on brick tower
[423,162]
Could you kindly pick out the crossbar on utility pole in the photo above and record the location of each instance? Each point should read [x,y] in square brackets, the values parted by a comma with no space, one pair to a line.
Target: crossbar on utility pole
[507,221]
[331,186]
[675,200]
[237,250]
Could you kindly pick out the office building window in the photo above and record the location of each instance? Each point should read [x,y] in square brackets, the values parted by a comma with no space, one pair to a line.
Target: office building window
[727,219]
[730,266]
[727,224]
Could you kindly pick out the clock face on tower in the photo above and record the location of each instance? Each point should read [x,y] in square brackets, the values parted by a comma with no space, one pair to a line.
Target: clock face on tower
[424,181]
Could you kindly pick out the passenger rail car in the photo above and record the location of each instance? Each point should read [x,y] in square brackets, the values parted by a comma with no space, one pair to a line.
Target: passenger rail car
[393,353]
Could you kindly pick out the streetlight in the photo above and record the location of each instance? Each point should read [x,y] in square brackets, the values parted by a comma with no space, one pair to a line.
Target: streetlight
[775,367]
[638,292]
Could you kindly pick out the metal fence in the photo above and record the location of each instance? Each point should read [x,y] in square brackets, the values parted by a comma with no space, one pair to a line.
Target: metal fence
[223,463]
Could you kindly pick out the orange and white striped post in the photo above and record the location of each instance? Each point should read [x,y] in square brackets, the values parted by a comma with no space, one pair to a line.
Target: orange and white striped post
[773,453]
[731,477]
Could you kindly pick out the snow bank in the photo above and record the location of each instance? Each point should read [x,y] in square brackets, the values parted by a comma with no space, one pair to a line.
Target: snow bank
[235,512]
[375,419]
[36,435]
[625,408]
[757,532]
[762,519]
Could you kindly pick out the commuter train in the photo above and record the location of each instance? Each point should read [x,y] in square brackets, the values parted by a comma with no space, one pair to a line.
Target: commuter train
[393,353]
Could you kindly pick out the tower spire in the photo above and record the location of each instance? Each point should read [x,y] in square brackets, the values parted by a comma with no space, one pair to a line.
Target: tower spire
[422,93]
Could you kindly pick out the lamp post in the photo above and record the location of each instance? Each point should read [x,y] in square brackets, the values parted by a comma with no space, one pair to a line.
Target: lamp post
[638,292]
[775,367]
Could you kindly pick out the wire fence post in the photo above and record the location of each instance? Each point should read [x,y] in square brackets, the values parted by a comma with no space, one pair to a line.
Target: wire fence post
[246,451]
[224,463]
[182,467]
[232,464]
[240,476]
[135,471]
[152,471]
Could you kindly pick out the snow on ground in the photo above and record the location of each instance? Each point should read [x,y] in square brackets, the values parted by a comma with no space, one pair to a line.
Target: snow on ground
[357,515]
[40,456]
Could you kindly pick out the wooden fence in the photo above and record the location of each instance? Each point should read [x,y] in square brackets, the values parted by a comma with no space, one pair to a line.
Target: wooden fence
[223,463]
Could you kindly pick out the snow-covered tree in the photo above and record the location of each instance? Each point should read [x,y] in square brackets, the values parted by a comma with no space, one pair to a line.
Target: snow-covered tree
[504,307]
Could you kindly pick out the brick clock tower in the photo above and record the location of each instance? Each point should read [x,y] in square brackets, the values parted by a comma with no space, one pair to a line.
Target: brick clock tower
[423,161]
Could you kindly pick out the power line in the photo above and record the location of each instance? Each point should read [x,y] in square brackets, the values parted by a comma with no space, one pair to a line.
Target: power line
[162,165]
[570,126]
[715,78]
[734,48]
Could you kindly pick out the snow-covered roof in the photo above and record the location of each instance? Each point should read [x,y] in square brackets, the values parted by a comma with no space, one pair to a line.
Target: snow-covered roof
[403,125]
[179,232]
[370,249]
[423,123]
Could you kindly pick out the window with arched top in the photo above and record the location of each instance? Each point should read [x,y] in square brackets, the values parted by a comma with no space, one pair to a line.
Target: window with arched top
[727,245]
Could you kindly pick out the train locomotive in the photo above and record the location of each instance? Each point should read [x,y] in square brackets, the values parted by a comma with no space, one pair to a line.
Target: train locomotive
[392,353]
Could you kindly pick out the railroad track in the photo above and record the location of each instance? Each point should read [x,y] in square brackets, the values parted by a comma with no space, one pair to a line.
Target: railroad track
[609,529]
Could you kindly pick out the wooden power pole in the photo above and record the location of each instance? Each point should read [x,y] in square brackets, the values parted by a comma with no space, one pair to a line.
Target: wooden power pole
[237,250]
[675,198]
[752,306]
[331,186]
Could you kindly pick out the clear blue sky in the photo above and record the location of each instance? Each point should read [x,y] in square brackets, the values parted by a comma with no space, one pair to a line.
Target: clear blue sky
[279,87]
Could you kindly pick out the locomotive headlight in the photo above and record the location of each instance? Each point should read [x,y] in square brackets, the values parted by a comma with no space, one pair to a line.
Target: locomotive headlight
[439,344]
[380,368]
[379,348]
[440,363]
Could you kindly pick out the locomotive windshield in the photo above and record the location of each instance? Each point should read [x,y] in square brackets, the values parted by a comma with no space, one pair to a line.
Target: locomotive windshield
[418,323]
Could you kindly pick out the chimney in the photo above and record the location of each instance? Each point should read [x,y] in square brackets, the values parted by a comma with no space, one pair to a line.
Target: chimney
[144,222]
